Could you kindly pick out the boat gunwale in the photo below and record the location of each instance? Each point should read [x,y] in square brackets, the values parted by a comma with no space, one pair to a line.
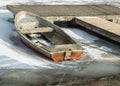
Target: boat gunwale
[42,49]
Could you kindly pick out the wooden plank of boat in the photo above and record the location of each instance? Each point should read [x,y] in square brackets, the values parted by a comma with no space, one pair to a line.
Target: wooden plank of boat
[49,40]
[36,30]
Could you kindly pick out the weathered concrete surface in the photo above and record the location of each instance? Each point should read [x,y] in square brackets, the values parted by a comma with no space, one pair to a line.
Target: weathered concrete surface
[66,10]
[101,26]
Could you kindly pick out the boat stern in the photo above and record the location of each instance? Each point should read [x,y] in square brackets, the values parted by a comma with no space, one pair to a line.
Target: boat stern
[66,56]
[69,52]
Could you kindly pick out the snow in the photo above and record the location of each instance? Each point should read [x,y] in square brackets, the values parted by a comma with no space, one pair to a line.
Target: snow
[87,41]
[5,2]
[14,54]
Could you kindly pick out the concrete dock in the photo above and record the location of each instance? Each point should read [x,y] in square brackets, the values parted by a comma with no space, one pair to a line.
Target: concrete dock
[100,26]
[98,21]
[67,12]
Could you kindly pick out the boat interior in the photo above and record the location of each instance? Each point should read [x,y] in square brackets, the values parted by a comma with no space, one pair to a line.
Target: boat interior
[40,34]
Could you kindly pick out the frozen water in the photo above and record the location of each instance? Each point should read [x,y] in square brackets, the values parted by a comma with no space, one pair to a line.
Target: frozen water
[15,55]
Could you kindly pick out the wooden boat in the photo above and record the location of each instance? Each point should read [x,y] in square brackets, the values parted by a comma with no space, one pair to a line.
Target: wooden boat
[46,38]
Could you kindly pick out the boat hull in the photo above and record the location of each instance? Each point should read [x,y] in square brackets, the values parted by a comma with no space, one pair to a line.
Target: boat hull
[54,57]
[65,48]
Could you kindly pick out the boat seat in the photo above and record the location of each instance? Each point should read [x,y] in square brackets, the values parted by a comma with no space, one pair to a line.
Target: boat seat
[36,30]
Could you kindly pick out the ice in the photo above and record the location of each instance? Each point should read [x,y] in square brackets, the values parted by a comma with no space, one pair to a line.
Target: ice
[101,57]
[20,56]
